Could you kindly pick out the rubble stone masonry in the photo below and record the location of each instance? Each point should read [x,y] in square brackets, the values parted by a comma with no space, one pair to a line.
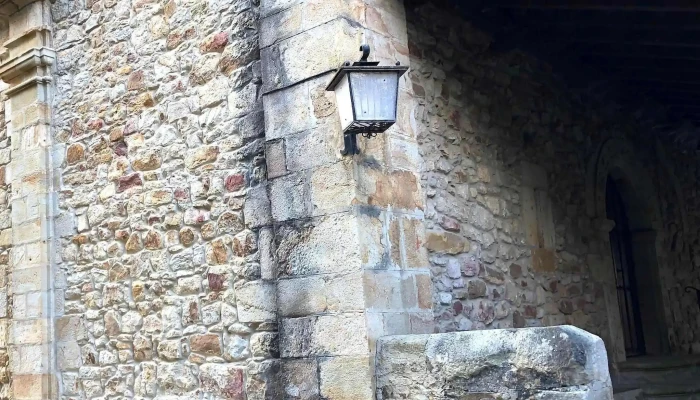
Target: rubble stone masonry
[161,266]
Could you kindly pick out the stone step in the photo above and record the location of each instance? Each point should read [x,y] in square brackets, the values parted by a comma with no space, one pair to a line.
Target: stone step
[646,371]
[689,391]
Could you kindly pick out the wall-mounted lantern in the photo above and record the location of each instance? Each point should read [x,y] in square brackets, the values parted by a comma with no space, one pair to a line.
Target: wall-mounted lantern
[366,97]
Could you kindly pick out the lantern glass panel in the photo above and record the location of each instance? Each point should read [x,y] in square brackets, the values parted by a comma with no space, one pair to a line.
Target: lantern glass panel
[344,103]
[374,95]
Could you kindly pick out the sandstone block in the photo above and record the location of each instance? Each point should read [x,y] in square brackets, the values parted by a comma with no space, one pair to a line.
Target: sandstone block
[345,378]
[343,334]
[256,301]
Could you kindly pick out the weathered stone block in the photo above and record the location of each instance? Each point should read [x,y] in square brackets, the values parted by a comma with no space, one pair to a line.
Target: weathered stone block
[299,379]
[328,335]
[256,301]
[290,197]
[345,378]
[531,362]
[330,246]
[301,296]
[256,210]
[340,42]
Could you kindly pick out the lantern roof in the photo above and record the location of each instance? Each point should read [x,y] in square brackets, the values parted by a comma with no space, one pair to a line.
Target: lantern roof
[363,66]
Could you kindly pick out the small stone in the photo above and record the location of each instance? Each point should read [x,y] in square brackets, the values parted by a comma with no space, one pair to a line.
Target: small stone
[470,268]
[217,253]
[230,222]
[187,236]
[158,197]
[143,348]
[112,323]
[224,381]
[516,271]
[169,350]
[74,153]
[476,288]
[133,245]
[244,244]
[213,43]
[116,134]
[236,348]
[208,344]
[128,182]
[202,155]
[135,81]
[153,240]
[147,161]
[450,224]
[234,182]
[446,242]
[454,270]
[208,231]
[264,344]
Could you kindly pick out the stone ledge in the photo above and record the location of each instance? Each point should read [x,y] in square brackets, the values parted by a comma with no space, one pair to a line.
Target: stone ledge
[32,58]
[515,363]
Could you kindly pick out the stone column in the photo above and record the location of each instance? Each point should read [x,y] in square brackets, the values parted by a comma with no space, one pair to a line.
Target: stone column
[350,261]
[25,67]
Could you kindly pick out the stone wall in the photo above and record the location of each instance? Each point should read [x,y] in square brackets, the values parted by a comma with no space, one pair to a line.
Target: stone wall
[158,121]
[510,155]
[6,309]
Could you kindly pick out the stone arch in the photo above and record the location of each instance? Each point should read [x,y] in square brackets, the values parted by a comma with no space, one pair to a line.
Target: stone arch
[617,160]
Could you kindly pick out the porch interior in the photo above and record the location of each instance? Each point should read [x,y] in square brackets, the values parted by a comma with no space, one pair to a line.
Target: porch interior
[644,56]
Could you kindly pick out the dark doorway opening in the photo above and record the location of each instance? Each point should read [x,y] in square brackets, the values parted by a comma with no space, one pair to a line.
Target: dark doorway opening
[621,242]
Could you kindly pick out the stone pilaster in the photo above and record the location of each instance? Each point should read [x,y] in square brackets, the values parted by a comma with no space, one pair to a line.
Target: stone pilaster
[25,67]
[350,261]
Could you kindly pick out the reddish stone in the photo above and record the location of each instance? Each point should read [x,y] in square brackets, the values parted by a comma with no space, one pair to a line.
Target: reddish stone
[457,307]
[214,43]
[135,81]
[232,386]
[518,320]
[121,149]
[216,282]
[450,224]
[96,124]
[566,307]
[470,268]
[530,311]
[235,182]
[485,312]
[128,182]
[182,194]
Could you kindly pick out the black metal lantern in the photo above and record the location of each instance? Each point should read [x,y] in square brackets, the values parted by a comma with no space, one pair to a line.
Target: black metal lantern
[366,97]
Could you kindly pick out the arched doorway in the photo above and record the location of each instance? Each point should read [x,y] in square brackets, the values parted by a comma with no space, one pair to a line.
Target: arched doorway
[625,271]
[634,259]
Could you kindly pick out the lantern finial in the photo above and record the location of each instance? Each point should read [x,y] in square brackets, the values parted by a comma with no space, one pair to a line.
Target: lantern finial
[365,52]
